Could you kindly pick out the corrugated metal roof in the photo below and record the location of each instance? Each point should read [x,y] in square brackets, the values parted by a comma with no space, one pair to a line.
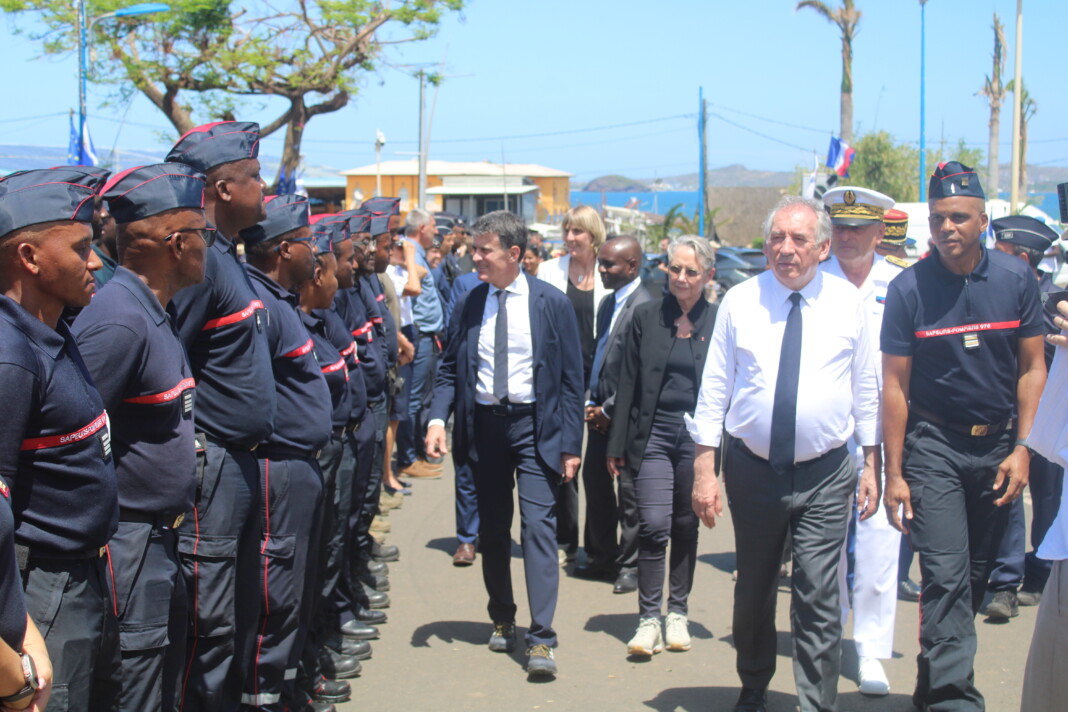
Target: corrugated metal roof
[457,168]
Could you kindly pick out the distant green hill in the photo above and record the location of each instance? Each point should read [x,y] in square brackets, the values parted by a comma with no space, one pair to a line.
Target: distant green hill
[615,184]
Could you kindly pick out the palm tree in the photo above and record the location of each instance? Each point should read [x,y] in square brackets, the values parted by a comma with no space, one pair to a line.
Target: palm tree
[995,91]
[847,17]
[1028,108]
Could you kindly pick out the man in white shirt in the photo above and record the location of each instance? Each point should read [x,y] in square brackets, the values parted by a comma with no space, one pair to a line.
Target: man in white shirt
[513,371]
[1045,685]
[786,464]
[857,228]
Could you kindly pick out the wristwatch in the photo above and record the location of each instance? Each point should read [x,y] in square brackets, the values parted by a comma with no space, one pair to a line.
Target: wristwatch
[29,671]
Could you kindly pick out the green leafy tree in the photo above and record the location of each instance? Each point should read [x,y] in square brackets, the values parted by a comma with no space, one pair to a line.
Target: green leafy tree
[201,59]
[890,167]
[847,18]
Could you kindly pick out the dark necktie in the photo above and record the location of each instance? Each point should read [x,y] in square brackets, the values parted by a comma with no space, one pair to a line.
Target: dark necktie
[784,412]
[500,349]
[604,320]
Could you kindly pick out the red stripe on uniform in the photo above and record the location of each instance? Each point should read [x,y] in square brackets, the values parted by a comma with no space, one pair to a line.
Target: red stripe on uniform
[349,351]
[233,318]
[380,298]
[166,396]
[363,329]
[334,367]
[300,350]
[57,440]
[968,328]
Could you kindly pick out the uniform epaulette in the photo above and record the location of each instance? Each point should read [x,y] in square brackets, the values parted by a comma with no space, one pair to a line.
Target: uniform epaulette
[897,261]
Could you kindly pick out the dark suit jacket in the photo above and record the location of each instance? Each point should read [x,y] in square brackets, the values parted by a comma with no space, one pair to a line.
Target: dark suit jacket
[612,360]
[645,353]
[558,377]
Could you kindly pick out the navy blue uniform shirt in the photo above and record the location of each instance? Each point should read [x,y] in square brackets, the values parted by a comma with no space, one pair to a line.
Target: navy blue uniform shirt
[341,337]
[386,329]
[12,601]
[139,366]
[302,419]
[55,448]
[351,307]
[221,323]
[334,367]
[962,334]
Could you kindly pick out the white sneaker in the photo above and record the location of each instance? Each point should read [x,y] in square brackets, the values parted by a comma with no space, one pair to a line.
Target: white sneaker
[677,632]
[872,678]
[647,641]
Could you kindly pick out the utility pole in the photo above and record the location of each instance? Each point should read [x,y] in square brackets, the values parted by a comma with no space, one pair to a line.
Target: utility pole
[701,129]
[422,140]
[923,100]
[380,141]
[1017,99]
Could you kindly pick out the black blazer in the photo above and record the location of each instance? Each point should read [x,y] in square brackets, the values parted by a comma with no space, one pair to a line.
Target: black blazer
[558,376]
[646,349]
[612,359]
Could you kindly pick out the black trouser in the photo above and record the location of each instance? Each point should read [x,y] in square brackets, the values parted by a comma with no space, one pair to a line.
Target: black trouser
[604,512]
[71,601]
[811,503]
[504,454]
[329,550]
[150,599]
[1015,569]
[955,530]
[219,547]
[292,490]
[664,485]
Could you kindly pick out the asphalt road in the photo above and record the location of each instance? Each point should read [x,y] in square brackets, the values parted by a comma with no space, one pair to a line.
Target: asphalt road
[433,655]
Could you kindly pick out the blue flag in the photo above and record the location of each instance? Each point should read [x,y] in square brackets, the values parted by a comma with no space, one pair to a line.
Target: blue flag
[80,152]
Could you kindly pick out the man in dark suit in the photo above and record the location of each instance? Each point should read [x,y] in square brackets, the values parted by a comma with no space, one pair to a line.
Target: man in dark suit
[619,262]
[525,403]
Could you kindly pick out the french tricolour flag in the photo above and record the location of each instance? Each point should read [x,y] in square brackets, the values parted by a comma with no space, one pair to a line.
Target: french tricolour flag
[839,157]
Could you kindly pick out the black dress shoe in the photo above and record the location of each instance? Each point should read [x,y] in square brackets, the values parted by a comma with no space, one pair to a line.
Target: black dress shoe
[331,691]
[366,615]
[338,667]
[376,599]
[752,700]
[595,572]
[387,552]
[376,581]
[626,582]
[359,649]
[908,590]
[378,567]
[358,631]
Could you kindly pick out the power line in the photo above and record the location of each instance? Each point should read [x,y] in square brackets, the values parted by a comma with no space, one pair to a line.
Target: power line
[771,121]
[758,133]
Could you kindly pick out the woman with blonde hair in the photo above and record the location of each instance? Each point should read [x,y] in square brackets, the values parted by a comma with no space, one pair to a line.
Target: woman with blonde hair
[575,274]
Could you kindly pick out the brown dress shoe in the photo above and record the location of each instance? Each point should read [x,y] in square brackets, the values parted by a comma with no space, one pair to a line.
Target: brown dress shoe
[422,471]
[465,555]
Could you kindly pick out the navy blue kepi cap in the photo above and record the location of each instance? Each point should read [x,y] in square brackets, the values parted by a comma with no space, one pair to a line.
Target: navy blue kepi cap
[100,174]
[954,179]
[331,226]
[285,213]
[142,192]
[1024,231]
[211,145]
[45,195]
[381,210]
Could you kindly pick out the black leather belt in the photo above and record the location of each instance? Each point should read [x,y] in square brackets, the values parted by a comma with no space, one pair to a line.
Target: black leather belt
[338,433]
[508,409]
[226,445]
[163,520]
[745,449]
[353,425]
[24,553]
[976,431]
[282,452]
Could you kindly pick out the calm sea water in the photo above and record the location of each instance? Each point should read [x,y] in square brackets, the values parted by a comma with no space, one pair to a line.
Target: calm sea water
[661,202]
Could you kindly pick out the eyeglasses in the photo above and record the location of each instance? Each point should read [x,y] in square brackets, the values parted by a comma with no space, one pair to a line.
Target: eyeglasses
[207,234]
[677,270]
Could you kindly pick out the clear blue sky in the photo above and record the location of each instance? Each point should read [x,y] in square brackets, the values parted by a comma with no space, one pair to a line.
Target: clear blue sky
[554,67]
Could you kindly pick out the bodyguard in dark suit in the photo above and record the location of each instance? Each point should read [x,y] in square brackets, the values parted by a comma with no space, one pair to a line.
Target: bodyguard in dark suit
[525,403]
[619,261]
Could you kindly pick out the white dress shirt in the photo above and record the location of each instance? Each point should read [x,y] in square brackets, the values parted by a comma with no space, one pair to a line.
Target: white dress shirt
[621,296]
[520,345]
[838,394]
[398,274]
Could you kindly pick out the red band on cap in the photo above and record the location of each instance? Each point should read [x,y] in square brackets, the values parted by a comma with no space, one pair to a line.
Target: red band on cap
[57,440]
[968,328]
[164,397]
[300,350]
[233,318]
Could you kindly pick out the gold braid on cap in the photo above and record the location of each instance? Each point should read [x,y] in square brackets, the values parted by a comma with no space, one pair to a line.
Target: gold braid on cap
[856,210]
[896,228]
